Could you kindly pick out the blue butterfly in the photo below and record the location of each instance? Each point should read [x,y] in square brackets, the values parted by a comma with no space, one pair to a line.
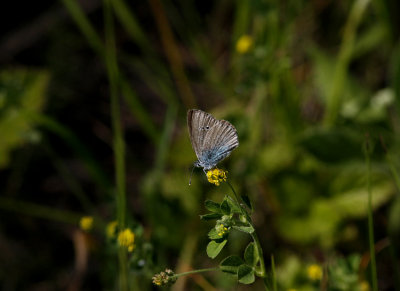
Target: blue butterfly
[212,139]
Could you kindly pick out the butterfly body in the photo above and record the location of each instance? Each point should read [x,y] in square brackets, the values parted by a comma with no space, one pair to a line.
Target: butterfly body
[212,139]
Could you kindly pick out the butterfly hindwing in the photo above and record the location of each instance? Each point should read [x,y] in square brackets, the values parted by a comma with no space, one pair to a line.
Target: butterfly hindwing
[212,139]
[219,142]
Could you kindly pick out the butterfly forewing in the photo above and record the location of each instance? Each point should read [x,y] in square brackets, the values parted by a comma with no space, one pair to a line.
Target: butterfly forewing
[199,122]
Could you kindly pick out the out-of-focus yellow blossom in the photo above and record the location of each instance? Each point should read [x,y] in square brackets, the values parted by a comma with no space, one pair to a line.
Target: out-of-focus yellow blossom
[364,286]
[244,44]
[292,289]
[126,238]
[86,223]
[111,229]
[314,272]
[216,176]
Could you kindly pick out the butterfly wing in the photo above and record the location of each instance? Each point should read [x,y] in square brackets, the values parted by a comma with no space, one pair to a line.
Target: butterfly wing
[212,139]
[219,142]
[199,122]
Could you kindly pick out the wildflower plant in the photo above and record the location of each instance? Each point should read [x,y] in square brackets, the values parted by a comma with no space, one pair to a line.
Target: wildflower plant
[233,213]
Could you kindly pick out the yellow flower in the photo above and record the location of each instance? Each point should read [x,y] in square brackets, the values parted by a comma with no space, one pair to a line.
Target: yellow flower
[86,223]
[314,272]
[221,229]
[126,238]
[244,43]
[111,228]
[364,286]
[216,176]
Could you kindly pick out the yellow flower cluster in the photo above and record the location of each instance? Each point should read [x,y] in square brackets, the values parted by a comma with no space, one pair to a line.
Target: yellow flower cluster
[216,176]
[221,229]
[314,272]
[86,223]
[244,43]
[126,238]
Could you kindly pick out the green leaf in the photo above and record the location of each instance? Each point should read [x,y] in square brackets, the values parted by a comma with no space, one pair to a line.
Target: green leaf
[212,206]
[245,274]
[213,234]
[231,264]
[225,207]
[214,248]
[246,201]
[233,205]
[210,216]
[246,229]
[251,255]
[22,94]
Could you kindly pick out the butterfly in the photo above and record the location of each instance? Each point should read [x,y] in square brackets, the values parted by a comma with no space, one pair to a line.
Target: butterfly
[212,139]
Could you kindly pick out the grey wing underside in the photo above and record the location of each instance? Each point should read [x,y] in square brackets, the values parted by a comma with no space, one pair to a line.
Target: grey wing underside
[197,123]
[212,139]
[219,142]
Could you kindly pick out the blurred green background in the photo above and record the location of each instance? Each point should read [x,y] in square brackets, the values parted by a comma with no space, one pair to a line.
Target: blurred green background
[307,84]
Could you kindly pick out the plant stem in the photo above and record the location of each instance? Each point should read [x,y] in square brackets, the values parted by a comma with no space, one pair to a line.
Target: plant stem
[254,236]
[370,219]
[118,141]
[334,98]
[196,271]
[40,211]
[274,286]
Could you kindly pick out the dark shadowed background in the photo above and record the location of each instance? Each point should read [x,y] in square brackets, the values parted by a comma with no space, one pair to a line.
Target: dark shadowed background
[312,88]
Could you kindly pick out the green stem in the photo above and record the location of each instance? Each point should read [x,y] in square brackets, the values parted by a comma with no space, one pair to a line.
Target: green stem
[262,272]
[40,211]
[242,209]
[118,141]
[275,287]
[370,221]
[196,271]
[130,96]
[334,98]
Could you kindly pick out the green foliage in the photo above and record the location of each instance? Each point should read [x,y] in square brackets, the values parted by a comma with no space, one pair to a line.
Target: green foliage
[22,94]
[215,247]
[245,274]
[212,206]
[231,264]
[251,255]
[343,274]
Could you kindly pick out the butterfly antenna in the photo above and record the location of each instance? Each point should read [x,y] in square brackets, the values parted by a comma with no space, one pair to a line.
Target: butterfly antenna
[191,173]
